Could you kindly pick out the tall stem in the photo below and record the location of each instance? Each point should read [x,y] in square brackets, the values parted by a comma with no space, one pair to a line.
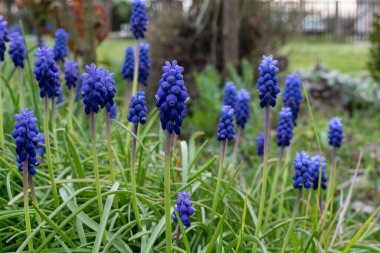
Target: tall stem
[274,186]
[133,177]
[136,70]
[96,168]
[19,73]
[293,220]
[26,204]
[110,155]
[216,200]
[265,176]
[236,149]
[48,151]
[127,99]
[71,100]
[1,120]
[35,202]
[332,180]
[54,126]
[167,194]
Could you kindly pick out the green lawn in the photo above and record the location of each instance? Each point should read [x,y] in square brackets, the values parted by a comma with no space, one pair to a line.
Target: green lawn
[113,49]
[346,57]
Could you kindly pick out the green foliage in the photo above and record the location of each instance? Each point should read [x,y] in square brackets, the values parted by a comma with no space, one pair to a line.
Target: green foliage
[374,63]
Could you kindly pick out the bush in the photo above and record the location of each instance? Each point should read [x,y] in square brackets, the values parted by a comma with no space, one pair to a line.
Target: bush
[374,64]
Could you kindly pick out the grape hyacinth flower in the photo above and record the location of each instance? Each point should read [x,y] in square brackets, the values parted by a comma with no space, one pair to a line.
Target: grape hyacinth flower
[184,208]
[242,108]
[226,124]
[41,140]
[139,19]
[318,162]
[3,37]
[25,135]
[17,50]
[144,64]
[172,97]
[267,84]
[46,73]
[293,95]
[335,134]
[60,46]
[260,144]
[302,177]
[71,73]
[109,84]
[267,87]
[230,95]
[128,65]
[113,111]
[93,89]
[138,109]
[285,128]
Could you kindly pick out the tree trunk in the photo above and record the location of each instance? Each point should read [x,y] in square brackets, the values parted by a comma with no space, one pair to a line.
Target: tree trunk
[69,19]
[89,55]
[231,32]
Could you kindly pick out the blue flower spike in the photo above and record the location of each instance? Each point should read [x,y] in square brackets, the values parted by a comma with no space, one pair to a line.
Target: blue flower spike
[3,37]
[226,124]
[285,128]
[172,97]
[17,49]
[138,109]
[139,19]
[302,177]
[26,137]
[260,144]
[144,64]
[46,73]
[267,84]
[336,132]
[128,65]
[242,108]
[318,162]
[292,97]
[230,95]
[71,73]
[184,208]
[60,47]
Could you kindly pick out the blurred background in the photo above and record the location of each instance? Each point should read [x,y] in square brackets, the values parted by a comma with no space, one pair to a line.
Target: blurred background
[333,44]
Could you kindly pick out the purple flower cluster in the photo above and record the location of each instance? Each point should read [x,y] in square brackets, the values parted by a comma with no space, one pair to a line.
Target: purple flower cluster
[17,49]
[41,140]
[260,144]
[242,108]
[318,162]
[113,111]
[60,46]
[226,124]
[267,84]
[172,97]
[47,73]
[98,89]
[138,109]
[293,94]
[302,177]
[3,37]
[144,64]
[71,73]
[128,65]
[335,134]
[285,127]
[184,208]
[230,94]
[25,134]
[139,19]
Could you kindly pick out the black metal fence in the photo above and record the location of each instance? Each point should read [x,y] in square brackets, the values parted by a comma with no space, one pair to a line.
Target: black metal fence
[340,20]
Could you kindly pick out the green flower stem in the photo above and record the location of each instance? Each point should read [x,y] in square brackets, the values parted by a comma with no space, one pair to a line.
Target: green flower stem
[299,194]
[332,180]
[26,204]
[71,111]
[264,178]
[133,177]
[236,150]
[136,70]
[127,99]
[21,93]
[168,216]
[1,120]
[216,200]
[96,168]
[110,155]
[48,151]
[274,186]
[35,202]
[54,126]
